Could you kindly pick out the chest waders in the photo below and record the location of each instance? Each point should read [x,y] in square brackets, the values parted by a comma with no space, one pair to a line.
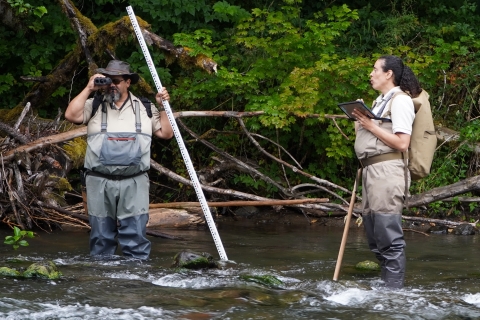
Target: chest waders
[117,190]
[384,181]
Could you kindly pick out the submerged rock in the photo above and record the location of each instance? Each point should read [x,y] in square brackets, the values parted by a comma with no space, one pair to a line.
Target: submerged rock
[465,229]
[194,260]
[45,270]
[367,265]
[9,272]
[438,229]
[248,211]
[267,280]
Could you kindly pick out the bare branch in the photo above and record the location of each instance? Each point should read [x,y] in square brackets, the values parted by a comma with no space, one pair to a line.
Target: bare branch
[22,115]
[20,137]
[254,172]
[295,169]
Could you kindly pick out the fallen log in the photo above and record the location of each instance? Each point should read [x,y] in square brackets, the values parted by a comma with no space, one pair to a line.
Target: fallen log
[435,221]
[45,141]
[462,199]
[84,218]
[440,193]
[240,203]
[174,218]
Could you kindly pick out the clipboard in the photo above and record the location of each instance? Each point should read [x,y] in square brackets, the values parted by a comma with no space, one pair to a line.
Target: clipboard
[348,108]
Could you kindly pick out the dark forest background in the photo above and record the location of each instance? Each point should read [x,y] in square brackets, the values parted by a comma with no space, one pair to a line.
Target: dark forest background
[294,60]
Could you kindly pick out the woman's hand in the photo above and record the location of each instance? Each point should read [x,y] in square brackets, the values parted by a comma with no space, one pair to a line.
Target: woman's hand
[363,120]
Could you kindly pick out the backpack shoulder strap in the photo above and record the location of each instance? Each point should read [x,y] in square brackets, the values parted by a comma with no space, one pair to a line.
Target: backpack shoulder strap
[148,105]
[388,112]
[97,100]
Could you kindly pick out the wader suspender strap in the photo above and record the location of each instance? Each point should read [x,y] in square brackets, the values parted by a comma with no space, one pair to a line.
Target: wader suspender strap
[136,111]
[104,117]
[379,113]
[138,123]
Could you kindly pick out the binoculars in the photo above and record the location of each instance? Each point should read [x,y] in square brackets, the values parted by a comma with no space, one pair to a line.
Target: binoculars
[102,81]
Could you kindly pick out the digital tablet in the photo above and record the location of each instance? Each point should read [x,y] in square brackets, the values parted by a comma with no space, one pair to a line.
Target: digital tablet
[348,107]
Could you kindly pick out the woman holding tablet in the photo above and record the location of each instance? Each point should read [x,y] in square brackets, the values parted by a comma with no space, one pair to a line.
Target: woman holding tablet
[380,145]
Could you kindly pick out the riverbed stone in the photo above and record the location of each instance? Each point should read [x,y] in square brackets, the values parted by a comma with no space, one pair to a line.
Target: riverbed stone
[367,265]
[440,229]
[44,270]
[266,280]
[465,229]
[247,211]
[9,272]
[194,260]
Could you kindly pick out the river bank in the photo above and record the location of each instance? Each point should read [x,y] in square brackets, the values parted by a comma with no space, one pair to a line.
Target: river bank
[252,217]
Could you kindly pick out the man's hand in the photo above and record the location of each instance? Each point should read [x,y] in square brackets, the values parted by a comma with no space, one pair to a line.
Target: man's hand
[166,132]
[162,95]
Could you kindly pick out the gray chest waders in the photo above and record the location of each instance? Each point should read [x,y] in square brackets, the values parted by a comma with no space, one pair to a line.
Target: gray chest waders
[121,148]
[120,202]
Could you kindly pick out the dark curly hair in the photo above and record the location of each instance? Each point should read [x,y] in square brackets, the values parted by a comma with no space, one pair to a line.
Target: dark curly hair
[403,76]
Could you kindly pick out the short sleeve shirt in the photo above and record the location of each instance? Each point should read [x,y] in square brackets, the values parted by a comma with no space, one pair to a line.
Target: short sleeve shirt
[402,111]
[123,119]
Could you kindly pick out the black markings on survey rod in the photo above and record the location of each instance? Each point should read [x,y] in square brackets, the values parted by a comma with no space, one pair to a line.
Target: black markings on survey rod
[176,131]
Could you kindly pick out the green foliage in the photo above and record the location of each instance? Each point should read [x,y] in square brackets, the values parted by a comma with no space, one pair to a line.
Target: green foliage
[293,60]
[291,68]
[225,12]
[470,133]
[289,58]
[17,239]
[32,44]
[23,8]
[6,82]
[197,43]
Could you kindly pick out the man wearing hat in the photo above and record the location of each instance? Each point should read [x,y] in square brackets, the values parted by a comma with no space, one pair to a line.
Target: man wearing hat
[119,128]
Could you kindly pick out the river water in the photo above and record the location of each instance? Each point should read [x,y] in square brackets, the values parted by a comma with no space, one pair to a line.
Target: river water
[443,278]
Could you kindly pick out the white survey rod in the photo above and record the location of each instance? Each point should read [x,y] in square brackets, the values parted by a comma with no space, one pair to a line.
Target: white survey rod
[176,131]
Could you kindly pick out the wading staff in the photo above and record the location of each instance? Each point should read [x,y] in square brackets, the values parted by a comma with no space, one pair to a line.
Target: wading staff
[178,137]
[347,226]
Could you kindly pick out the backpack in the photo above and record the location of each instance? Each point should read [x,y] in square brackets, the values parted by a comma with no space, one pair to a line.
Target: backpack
[423,140]
[97,101]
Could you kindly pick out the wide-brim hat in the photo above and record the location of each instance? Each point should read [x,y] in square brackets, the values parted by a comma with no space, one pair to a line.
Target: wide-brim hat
[119,68]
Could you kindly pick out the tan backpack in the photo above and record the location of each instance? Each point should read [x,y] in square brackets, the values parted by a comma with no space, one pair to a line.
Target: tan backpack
[423,140]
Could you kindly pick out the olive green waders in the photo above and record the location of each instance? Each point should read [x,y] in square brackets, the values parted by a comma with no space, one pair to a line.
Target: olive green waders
[383,190]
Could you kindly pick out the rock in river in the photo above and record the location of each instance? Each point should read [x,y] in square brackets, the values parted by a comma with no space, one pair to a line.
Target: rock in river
[194,260]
